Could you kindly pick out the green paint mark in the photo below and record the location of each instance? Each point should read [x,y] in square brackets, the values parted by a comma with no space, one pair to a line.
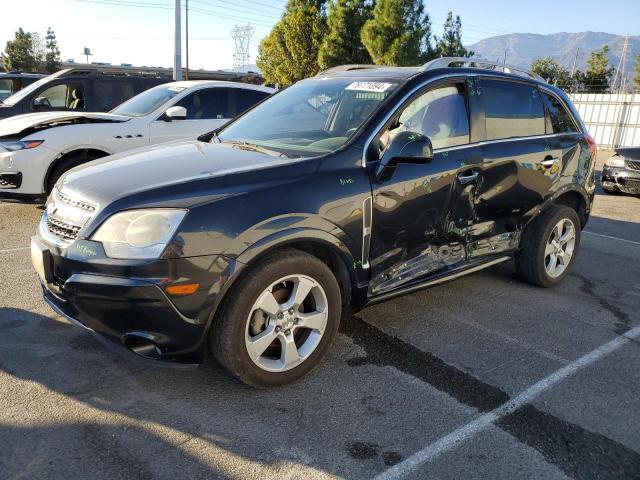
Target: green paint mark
[356,264]
[346,181]
[86,251]
[426,184]
[445,154]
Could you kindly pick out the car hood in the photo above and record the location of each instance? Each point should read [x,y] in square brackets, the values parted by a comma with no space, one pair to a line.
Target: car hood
[33,122]
[632,153]
[108,179]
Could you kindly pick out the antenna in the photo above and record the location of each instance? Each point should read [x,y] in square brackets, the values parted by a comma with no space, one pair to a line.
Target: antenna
[242,36]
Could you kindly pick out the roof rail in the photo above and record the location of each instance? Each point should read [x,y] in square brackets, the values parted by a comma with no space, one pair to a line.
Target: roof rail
[346,68]
[446,62]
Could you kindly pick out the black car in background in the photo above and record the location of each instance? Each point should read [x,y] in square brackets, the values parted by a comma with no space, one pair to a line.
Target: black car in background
[621,171]
[12,82]
[78,89]
[350,188]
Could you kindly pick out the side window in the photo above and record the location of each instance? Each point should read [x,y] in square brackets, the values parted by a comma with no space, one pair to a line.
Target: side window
[65,95]
[245,99]
[512,110]
[440,114]
[558,119]
[110,93]
[207,104]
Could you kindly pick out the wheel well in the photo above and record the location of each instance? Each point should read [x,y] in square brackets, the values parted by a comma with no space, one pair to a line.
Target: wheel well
[576,201]
[94,153]
[328,256]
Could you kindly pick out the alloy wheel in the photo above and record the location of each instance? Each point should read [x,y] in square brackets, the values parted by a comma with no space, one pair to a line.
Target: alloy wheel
[560,247]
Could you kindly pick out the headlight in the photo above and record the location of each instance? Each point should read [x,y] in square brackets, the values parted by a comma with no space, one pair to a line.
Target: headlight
[615,161]
[21,145]
[138,234]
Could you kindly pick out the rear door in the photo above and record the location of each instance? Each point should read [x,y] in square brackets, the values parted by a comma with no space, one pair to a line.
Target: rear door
[207,109]
[421,212]
[520,165]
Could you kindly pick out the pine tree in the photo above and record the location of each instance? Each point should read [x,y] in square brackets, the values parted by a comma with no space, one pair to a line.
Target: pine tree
[398,33]
[450,44]
[342,44]
[52,53]
[596,78]
[20,53]
[290,52]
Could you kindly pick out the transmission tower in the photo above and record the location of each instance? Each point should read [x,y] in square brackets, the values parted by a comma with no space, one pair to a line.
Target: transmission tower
[241,36]
[619,83]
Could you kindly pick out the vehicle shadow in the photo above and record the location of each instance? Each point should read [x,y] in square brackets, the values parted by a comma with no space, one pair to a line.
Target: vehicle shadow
[93,414]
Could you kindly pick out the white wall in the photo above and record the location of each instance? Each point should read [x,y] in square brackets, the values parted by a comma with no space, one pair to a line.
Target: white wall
[613,120]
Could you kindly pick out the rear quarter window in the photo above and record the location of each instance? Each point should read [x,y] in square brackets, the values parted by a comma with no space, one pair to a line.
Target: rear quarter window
[559,120]
[512,110]
[245,99]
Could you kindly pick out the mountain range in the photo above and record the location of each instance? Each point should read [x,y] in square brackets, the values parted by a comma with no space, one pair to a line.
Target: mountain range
[524,48]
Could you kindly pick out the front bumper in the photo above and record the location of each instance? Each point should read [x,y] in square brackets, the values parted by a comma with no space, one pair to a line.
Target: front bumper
[126,304]
[623,179]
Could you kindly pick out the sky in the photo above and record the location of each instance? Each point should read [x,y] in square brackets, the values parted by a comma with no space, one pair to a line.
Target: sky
[141,31]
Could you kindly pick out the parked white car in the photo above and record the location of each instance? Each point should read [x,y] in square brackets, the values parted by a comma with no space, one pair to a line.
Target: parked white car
[37,148]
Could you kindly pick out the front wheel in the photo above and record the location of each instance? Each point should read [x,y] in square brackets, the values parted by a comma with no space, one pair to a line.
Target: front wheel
[279,320]
[549,247]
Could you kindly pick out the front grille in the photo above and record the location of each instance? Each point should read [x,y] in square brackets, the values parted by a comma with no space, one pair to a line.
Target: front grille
[65,217]
[61,229]
[633,164]
[75,203]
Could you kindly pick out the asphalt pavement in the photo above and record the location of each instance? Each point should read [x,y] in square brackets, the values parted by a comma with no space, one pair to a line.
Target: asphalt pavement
[484,377]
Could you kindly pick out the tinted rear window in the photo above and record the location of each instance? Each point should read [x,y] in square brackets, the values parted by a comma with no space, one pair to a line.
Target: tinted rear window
[558,119]
[512,110]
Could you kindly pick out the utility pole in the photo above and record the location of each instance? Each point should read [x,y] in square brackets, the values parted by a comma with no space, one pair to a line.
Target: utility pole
[241,36]
[575,61]
[619,78]
[177,58]
[186,39]
[504,59]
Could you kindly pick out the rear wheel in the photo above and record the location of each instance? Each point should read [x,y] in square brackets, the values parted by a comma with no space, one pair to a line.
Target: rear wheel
[549,247]
[279,320]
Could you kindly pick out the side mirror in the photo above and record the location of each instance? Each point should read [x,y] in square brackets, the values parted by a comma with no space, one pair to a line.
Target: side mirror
[175,113]
[406,147]
[41,102]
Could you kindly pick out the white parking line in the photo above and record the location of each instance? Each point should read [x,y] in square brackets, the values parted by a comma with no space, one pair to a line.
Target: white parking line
[446,443]
[17,249]
[610,237]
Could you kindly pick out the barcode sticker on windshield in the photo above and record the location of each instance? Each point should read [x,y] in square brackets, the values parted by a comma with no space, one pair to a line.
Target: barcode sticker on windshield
[369,86]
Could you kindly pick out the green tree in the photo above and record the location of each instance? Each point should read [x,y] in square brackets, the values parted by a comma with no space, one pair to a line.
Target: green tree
[596,78]
[290,52]
[342,44]
[555,73]
[20,53]
[450,44]
[398,33]
[52,53]
[636,78]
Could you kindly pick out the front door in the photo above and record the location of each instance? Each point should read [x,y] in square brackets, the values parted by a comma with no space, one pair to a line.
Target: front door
[207,109]
[421,213]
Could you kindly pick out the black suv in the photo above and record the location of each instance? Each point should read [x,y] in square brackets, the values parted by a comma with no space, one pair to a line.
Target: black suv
[78,89]
[14,81]
[346,189]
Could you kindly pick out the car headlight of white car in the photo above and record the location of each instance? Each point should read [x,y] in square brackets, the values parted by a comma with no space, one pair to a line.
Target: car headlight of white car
[615,161]
[21,145]
[139,234]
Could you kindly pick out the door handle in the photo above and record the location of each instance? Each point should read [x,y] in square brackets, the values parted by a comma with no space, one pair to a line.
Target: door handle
[549,161]
[464,179]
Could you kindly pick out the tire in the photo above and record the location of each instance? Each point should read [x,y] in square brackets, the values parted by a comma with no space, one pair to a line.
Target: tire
[241,320]
[65,164]
[610,191]
[540,247]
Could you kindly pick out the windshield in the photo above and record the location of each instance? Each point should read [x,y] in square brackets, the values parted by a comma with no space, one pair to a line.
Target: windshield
[147,101]
[19,95]
[313,117]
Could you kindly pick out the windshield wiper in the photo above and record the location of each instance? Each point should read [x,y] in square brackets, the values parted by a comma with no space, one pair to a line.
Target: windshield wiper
[254,148]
